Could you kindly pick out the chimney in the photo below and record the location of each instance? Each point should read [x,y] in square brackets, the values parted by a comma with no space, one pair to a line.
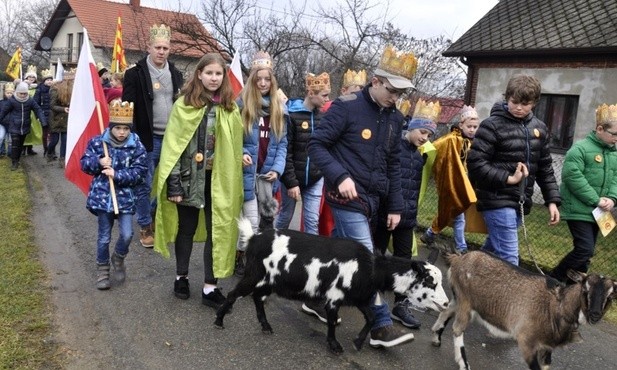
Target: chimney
[135,3]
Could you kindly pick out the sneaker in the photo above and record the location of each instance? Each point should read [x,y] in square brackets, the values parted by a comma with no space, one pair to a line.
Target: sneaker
[61,162]
[213,299]
[119,269]
[318,310]
[181,288]
[146,238]
[102,277]
[240,264]
[427,238]
[31,151]
[402,312]
[14,166]
[388,336]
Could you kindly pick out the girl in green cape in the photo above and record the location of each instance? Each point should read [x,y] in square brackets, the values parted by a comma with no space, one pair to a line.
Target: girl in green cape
[201,168]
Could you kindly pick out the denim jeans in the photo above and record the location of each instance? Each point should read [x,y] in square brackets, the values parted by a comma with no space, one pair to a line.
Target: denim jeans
[311,201]
[584,237]
[355,226]
[142,191]
[2,136]
[502,240]
[458,225]
[106,223]
[56,137]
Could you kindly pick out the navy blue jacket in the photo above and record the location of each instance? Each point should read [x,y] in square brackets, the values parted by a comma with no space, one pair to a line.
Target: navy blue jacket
[357,139]
[502,141]
[19,115]
[42,97]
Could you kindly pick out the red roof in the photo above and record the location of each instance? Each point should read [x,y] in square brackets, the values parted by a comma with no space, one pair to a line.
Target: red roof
[99,17]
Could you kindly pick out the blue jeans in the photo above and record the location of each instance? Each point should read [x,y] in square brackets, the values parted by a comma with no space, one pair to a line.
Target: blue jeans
[502,240]
[311,201]
[142,191]
[458,225]
[355,226]
[2,136]
[106,223]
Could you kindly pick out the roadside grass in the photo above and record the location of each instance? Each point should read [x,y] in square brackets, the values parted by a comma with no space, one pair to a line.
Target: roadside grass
[25,311]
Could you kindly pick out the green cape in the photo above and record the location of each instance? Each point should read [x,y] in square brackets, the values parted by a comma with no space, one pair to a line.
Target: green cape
[227,191]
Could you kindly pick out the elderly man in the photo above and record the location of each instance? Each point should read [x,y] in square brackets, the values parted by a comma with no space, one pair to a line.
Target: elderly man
[357,148]
[152,85]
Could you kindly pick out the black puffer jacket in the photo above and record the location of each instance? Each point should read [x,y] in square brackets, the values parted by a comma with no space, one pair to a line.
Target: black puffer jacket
[502,141]
[299,170]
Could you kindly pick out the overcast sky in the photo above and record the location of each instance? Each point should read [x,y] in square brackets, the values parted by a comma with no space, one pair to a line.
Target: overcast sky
[421,19]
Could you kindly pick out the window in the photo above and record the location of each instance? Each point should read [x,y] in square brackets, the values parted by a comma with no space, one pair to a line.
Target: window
[69,46]
[559,114]
[80,42]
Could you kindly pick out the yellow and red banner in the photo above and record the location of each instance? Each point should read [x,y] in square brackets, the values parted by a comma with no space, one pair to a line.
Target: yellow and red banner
[118,59]
[13,69]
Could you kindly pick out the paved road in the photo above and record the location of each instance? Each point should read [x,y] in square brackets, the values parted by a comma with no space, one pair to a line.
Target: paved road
[141,325]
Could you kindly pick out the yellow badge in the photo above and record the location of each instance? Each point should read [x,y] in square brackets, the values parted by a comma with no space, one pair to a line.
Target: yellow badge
[199,157]
[366,134]
[598,158]
[304,125]
[536,132]
[156,86]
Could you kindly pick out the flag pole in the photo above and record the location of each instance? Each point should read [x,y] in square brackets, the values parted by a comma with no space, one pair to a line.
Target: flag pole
[112,187]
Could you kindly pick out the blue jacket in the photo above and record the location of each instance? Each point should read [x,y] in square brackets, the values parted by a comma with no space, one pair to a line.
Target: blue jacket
[275,159]
[130,164]
[6,121]
[357,139]
[43,99]
[299,170]
[19,115]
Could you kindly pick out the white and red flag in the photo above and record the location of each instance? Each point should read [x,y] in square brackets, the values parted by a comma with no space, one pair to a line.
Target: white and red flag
[235,75]
[83,123]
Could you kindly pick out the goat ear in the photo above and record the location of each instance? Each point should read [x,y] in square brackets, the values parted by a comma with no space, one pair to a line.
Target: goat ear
[576,276]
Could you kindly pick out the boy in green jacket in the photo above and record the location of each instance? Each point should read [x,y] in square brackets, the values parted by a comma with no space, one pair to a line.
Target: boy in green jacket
[588,180]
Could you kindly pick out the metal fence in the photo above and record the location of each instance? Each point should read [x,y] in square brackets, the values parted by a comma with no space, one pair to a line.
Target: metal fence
[546,244]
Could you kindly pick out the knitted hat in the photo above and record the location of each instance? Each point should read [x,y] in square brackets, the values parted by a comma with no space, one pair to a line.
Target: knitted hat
[425,116]
[21,88]
[101,68]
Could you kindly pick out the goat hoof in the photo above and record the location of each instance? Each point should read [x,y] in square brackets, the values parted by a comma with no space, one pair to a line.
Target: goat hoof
[266,329]
[357,344]
[218,323]
[436,343]
[335,347]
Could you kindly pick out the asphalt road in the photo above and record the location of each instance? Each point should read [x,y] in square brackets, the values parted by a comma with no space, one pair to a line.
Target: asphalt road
[141,325]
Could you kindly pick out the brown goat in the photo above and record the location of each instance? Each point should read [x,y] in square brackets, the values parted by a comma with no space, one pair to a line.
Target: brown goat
[537,311]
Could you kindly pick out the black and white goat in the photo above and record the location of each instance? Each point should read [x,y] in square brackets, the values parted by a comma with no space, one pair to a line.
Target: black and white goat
[301,266]
[537,311]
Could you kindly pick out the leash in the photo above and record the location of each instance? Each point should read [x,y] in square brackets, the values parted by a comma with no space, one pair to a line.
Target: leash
[521,202]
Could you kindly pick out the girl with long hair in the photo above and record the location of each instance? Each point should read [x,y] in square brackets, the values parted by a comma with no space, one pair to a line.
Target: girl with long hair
[201,168]
[60,99]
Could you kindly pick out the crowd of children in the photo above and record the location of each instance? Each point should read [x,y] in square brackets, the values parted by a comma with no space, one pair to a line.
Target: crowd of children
[361,157]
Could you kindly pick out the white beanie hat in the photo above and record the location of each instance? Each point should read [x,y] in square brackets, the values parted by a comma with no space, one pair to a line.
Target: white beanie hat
[21,88]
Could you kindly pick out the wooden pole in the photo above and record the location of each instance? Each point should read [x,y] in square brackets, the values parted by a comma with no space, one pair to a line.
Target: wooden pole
[112,187]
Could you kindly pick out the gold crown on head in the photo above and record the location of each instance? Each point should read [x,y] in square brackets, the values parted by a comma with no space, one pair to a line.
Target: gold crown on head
[31,71]
[428,111]
[9,86]
[403,64]
[46,73]
[160,33]
[468,112]
[121,112]
[353,78]
[606,114]
[318,83]
[261,59]
[403,106]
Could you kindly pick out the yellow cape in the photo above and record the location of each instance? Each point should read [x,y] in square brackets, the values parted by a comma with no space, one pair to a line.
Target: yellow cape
[227,187]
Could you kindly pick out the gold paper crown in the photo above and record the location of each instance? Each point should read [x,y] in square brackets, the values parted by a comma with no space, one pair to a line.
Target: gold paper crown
[403,106]
[121,112]
[9,86]
[69,74]
[404,65]
[31,71]
[46,73]
[318,83]
[160,33]
[606,114]
[468,112]
[261,59]
[428,111]
[353,78]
